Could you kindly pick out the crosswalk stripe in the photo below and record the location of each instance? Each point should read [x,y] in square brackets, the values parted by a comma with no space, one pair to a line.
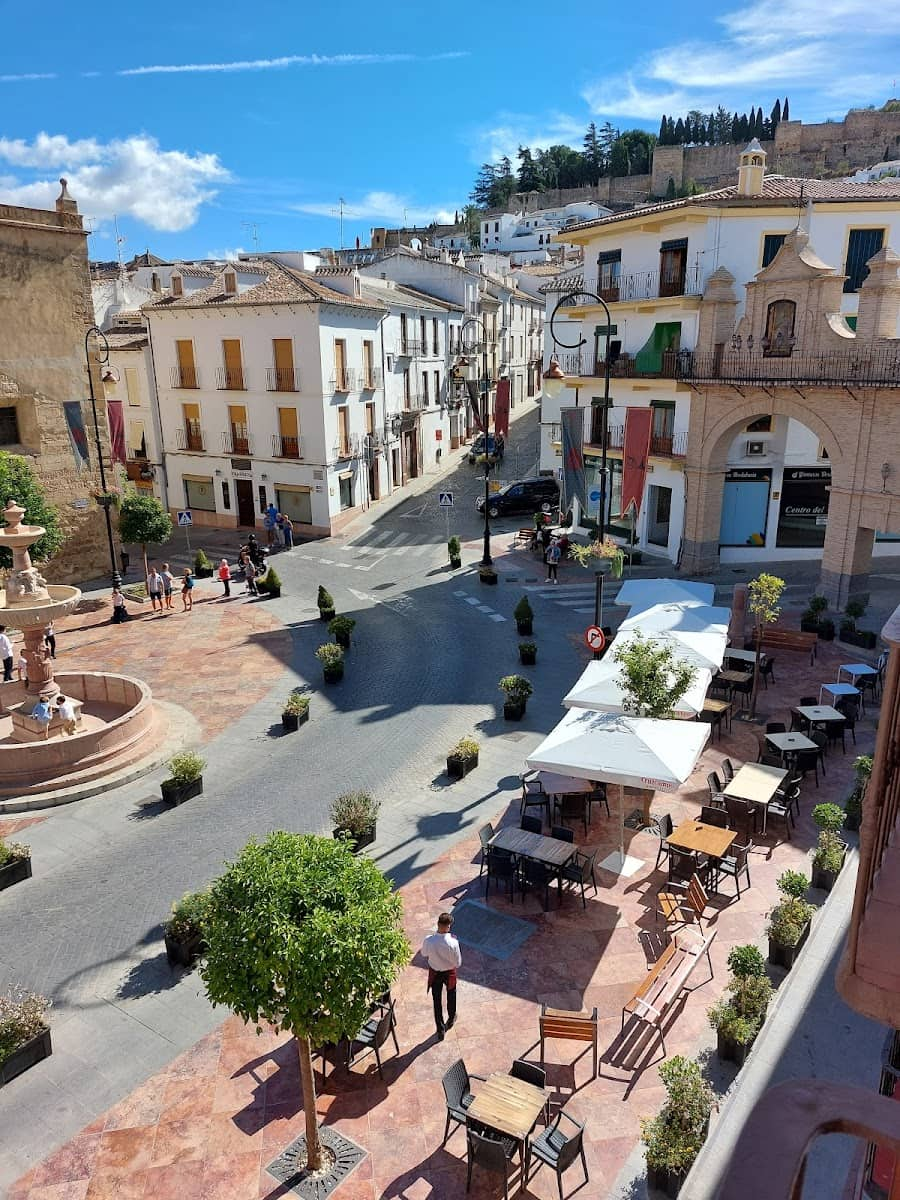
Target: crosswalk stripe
[399,539]
[569,603]
[497,617]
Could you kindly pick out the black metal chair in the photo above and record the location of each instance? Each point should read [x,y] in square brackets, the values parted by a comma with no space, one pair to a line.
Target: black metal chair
[561,833]
[580,871]
[780,813]
[789,794]
[371,1038]
[743,689]
[662,827]
[771,759]
[714,783]
[597,796]
[767,671]
[534,796]
[558,1149]
[821,739]
[537,875]
[536,1076]
[727,771]
[775,727]
[806,761]
[502,868]
[741,813]
[531,824]
[808,701]
[485,833]
[572,806]
[685,863]
[735,864]
[493,1153]
[458,1094]
[714,816]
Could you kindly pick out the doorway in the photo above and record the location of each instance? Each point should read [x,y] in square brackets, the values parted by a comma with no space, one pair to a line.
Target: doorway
[374,493]
[245,503]
[396,479]
[659,515]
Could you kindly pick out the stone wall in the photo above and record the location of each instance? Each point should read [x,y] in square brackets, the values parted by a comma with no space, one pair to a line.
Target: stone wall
[45,309]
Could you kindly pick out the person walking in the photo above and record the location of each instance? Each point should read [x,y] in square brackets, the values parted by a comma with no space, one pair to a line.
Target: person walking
[287,531]
[168,579]
[6,654]
[269,526]
[225,576]
[50,640]
[154,588]
[553,557]
[120,612]
[187,590]
[250,576]
[441,951]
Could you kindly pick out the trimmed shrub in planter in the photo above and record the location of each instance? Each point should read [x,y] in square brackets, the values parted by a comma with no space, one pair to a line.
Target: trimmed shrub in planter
[455,552]
[862,768]
[849,633]
[527,654]
[813,617]
[325,604]
[185,780]
[524,618]
[828,857]
[203,568]
[295,712]
[517,690]
[355,815]
[789,920]
[673,1138]
[184,929]
[270,583]
[331,656]
[24,1034]
[739,1015]
[463,758]
[340,629]
[15,863]
[488,575]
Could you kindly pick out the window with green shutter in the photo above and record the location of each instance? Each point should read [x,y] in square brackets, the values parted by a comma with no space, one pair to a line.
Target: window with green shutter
[772,243]
[862,244]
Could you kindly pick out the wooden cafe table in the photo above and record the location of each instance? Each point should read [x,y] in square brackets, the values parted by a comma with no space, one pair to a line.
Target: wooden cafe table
[757,783]
[508,1105]
[702,839]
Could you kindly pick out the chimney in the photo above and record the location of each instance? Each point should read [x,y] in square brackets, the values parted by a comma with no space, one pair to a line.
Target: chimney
[64,202]
[751,170]
[879,297]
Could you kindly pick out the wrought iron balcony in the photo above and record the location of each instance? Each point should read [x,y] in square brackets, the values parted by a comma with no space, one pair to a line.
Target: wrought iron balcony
[654,285]
[285,447]
[282,379]
[230,379]
[868,366]
[650,365]
[409,346]
[344,381]
[235,442]
[190,437]
[346,447]
[185,377]
[371,379]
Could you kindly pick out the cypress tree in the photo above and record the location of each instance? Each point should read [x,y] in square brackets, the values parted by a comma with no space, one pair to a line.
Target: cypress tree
[663,131]
[670,132]
[670,189]
[786,112]
[760,124]
[701,134]
[776,115]
[735,128]
[679,132]
[711,129]
[743,129]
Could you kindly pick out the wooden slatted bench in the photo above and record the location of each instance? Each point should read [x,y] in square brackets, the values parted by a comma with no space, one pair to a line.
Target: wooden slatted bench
[790,639]
[666,980]
[569,1026]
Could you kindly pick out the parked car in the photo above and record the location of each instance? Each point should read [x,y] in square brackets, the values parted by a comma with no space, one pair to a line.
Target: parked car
[495,443]
[524,496]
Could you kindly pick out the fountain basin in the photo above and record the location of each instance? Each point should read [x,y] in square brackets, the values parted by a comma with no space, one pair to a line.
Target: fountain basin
[26,616]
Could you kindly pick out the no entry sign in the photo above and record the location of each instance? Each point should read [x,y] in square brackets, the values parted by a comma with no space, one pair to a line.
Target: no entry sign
[594,637]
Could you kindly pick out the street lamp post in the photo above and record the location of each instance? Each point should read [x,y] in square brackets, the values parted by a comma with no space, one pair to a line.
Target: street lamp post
[486,559]
[104,499]
[554,382]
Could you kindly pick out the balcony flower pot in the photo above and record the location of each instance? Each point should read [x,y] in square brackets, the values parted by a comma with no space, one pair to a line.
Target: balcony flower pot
[175,792]
[25,1056]
[15,870]
[786,956]
[731,1050]
[357,841]
[183,951]
[514,710]
[527,654]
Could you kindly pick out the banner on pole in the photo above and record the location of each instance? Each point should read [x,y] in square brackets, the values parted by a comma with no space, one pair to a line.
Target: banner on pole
[501,408]
[77,434]
[116,430]
[638,426]
[474,400]
[572,425]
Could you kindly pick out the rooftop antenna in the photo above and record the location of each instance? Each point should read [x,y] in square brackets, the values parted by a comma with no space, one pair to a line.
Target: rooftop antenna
[253,226]
[340,213]
[800,202]
[120,241]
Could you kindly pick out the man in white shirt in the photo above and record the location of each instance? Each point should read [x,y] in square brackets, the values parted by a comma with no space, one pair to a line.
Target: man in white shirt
[441,951]
[66,710]
[6,654]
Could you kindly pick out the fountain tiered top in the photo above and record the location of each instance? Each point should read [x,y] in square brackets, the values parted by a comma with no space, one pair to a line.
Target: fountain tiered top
[27,599]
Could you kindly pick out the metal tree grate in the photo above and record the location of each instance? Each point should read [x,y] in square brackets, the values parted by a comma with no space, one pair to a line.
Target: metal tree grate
[289,1168]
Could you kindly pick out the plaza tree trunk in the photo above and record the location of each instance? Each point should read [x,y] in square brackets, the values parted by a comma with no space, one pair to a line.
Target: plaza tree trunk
[308,1081]
[757,638]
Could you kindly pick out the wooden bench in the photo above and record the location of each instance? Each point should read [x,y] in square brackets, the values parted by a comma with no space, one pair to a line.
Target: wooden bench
[667,979]
[524,537]
[685,906]
[789,639]
[569,1026]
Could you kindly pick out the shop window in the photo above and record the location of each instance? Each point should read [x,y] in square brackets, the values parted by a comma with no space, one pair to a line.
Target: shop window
[199,494]
[346,487]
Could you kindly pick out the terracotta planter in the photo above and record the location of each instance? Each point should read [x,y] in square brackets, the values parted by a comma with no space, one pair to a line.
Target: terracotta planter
[333,674]
[786,956]
[514,710]
[358,841]
[26,1056]
[15,871]
[176,793]
[524,628]
[458,768]
[730,1050]
[182,952]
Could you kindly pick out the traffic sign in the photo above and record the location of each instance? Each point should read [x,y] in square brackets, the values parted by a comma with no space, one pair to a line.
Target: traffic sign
[594,495]
[595,638]
[445,499]
[185,517]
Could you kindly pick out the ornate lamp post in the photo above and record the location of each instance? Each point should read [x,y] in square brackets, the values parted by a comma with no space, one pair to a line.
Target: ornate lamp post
[486,559]
[105,500]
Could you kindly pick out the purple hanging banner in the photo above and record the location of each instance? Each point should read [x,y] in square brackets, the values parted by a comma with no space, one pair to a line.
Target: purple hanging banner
[77,433]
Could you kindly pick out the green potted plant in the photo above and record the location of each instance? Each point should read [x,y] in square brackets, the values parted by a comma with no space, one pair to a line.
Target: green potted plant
[340,629]
[325,604]
[463,758]
[270,583]
[454,549]
[331,656]
[738,1017]
[295,712]
[811,619]
[185,778]
[789,920]
[862,769]
[488,575]
[524,618]
[517,689]
[184,929]
[527,654]
[15,863]
[203,568]
[829,854]
[672,1139]
[24,1033]
[355,815]
[849,633]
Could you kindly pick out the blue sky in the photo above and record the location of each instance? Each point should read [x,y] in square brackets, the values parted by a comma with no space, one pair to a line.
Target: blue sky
[193,121]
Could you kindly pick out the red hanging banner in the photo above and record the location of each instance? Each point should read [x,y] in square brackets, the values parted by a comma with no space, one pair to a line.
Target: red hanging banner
[501,408]
[116,430]
[638,426]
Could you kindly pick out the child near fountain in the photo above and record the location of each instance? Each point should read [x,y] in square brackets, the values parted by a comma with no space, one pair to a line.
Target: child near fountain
[41,713]
[66,712]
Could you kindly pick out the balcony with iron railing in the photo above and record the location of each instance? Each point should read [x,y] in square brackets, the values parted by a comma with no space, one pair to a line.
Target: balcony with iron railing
[346,447]
[371,379]
[344,381]
[230,379]
[670,364]
[282,379]
[285,447]
[865,366]
[190,437]
[651,285]
[185,377]
[237,441]
[409,346]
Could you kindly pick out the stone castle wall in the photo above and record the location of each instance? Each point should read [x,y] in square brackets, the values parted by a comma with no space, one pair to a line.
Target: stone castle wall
[45,309]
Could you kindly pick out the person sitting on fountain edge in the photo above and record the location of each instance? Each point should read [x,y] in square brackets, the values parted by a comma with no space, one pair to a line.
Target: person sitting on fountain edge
[41,712]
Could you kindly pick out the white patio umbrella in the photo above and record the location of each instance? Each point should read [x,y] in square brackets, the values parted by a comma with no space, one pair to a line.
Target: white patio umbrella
[629,751]
[600,687]
[639,594]
[699,632]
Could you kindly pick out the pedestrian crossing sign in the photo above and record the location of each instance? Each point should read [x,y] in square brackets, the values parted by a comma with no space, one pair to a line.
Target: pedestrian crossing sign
[185,517]
[445,499]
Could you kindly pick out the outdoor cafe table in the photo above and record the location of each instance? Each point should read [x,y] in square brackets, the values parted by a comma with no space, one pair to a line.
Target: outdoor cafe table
[856,671]
[721,710]
[558,785]
[757,783]
[747,656]
[732,676]
[508,1105]
[702,839]
[819,714]
[553,852]
[838,689]
[789,743]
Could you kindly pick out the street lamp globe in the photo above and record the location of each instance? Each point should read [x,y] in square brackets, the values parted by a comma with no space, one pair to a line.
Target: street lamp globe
[554,378]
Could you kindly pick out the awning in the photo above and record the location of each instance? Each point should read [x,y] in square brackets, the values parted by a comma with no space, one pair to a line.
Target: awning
[599,687]
[666,335]
[640,594]
[698,633]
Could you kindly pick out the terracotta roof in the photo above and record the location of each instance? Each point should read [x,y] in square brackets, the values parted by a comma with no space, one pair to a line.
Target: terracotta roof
[126,339]
[146,260]
[549,268]
[776,190]
[563,283]
[280,285]
[194,272]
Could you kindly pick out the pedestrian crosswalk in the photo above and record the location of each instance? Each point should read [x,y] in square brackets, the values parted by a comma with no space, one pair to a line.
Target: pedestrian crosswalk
[575,597]
[370,547]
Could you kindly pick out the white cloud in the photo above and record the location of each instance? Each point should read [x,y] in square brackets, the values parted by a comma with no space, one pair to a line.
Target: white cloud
[292,60]
[227,255]
[387,206]
[698,65]
[132,176]
[27,78]
[509,131]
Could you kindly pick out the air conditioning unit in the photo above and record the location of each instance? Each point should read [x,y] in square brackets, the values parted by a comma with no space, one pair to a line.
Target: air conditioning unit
[755,449]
